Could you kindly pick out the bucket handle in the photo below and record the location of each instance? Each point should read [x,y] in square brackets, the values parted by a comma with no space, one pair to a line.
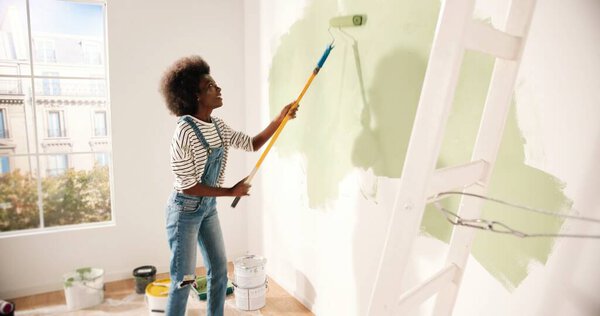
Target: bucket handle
[94,288]
[266,284]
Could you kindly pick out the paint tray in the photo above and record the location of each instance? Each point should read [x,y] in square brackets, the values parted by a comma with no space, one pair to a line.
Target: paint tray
[199,287]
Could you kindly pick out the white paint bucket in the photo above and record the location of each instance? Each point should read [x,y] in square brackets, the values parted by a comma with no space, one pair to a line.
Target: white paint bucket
[157,293]
[249,271]
[84,288]
[250,299]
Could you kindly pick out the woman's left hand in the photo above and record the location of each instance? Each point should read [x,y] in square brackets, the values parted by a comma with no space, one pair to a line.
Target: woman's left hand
[292,113]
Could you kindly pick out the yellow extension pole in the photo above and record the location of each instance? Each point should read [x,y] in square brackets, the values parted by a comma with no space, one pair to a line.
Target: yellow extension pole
[285,120]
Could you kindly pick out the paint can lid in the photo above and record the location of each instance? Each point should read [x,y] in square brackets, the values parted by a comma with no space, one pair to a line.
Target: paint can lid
[144,271]
[158,288]
[249,262]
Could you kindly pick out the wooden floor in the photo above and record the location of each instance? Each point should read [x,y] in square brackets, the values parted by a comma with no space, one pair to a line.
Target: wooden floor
[278,300]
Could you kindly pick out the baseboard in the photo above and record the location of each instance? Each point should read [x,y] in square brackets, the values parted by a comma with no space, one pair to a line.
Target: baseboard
[58,286]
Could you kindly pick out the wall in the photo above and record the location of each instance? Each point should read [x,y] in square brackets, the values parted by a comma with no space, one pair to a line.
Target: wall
[144,38]
[329,184]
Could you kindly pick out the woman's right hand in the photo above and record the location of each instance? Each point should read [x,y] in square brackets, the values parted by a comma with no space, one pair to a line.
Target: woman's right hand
[241,188]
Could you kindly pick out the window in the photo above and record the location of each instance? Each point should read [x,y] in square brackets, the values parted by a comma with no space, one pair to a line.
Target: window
[102,159]
[56,124]
[51,86]
[4,165]
[91,53]
[45,51]
[3,125]
[57,164]
[52,68]
[100,123]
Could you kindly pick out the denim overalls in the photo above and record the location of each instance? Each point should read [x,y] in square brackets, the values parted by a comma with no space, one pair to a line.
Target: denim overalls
[191,220]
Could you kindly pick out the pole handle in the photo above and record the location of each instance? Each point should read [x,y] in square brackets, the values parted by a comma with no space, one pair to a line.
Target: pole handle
[235,201]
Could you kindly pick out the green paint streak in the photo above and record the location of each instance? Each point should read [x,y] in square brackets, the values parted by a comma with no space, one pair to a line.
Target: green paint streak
[505,257]
[339,128]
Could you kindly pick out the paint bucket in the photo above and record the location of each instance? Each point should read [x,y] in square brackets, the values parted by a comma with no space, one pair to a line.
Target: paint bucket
[143,275]
[157,293]
[250,299]
[84,288]
[249,271]
[7,308]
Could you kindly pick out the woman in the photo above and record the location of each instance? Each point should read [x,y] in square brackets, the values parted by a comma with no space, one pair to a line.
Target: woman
[198,158]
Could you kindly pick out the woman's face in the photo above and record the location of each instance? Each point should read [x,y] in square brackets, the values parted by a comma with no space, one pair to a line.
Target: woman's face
[210,93]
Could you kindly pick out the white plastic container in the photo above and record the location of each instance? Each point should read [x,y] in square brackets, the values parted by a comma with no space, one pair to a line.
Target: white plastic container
[157,293]
[250,299]
[84,288]
[249,271]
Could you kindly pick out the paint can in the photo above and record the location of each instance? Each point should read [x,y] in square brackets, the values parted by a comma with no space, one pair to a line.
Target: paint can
[249,271]
[84,288]
[250,299]
[157,293]
[7,308]
[143,275]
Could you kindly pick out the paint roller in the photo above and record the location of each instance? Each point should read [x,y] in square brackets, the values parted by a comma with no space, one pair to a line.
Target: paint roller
[339,22]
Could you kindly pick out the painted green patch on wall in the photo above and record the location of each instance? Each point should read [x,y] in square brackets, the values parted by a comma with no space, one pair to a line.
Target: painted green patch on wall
[341,126]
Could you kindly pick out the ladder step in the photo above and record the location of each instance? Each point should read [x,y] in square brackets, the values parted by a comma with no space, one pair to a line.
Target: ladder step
[420,293]
[457,177]
[485,38]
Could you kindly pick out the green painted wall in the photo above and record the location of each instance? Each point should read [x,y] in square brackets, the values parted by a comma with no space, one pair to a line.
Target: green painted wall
[344,124]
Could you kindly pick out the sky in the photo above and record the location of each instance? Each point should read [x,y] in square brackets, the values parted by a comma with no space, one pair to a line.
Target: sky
[64,17]
[59,16]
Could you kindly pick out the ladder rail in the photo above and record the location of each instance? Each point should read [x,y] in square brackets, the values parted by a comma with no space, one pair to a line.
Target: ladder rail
[487,145]
[441,78]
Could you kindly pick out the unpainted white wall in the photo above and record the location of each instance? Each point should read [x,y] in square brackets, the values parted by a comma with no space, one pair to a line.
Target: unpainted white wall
[144,38]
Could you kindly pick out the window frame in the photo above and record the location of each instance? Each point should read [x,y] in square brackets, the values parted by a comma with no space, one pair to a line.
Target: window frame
[62,128]
[5,131]
[95,127]
[37,153]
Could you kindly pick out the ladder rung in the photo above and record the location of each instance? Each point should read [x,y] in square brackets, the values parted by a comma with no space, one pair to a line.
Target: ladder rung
[420,293]
[485,38]
[457,177]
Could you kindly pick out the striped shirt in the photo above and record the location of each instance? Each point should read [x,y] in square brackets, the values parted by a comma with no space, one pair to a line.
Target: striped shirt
[188,155]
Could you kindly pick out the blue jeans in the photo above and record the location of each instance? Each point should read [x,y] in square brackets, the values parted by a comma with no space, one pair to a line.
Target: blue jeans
[191,220]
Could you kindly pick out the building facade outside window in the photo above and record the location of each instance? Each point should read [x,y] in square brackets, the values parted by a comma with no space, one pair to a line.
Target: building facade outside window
[54,130]
[45,51]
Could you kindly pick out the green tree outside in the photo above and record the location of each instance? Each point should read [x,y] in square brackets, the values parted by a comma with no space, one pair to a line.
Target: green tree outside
[74,197]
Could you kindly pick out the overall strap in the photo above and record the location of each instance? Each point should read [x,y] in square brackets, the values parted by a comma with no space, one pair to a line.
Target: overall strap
[196,130]
[218,131]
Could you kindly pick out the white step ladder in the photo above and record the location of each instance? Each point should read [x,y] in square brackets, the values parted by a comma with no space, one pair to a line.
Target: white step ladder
[456,31]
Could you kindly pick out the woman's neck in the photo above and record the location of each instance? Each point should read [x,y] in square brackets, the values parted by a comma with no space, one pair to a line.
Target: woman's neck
[203,115]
